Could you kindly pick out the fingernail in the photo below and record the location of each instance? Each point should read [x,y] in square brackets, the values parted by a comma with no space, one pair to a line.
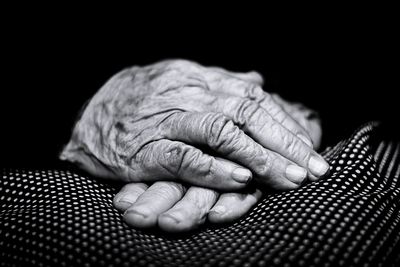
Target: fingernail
[312,177]
[123,205]
[241,175]
[219,210]
[305,140]
[125,199]
[169,216]
[318,166]
[296,174]
[136,214]
[140,219]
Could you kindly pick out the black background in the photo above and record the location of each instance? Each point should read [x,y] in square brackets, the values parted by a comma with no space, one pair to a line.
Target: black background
[47,73]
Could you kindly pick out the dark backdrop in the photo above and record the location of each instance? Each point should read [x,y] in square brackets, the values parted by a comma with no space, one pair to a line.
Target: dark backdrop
[46,77]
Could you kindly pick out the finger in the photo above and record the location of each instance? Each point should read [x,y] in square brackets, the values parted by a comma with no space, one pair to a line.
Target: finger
[306,117]
[128,195]
[315,132]
[254,92]
[157,199]
[256,122]
[220,134]
[231,206]
[190,212]
[286,119]
[171,160]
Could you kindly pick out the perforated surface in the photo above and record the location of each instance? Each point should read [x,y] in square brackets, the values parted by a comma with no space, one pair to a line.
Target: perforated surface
[57,217]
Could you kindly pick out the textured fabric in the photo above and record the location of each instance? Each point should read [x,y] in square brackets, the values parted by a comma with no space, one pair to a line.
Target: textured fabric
[351,217]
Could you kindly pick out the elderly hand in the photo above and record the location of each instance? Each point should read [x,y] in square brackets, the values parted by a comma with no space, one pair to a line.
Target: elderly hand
[175,208]
[149,123]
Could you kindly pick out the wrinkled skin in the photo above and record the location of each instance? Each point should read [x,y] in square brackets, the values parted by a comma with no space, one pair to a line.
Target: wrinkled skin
[151,124]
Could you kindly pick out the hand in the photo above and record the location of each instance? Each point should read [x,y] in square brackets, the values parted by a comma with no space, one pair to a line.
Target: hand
[146,124]
[175,208]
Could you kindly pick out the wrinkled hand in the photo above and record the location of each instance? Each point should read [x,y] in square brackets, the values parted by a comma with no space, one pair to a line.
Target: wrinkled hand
[174,208]
[147,124]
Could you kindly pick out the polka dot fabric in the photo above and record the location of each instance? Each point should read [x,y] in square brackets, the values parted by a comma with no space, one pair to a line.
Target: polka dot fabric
[349,218]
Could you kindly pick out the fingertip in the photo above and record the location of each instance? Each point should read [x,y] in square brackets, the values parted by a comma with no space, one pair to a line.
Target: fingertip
[296,174]
[312,177]
[232,206]
[218,214]
[229,175]
[128,195]
[122,202]
[219,210]
[174,222]
[242,175]
[140,218]
[121,205]
[318,166]
[168,223]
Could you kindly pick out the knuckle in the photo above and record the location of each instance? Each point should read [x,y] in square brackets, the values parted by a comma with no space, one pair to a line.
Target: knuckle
[289,144]
[247,112]
[218,123]
[267,166]
[163,154]
[258,158]
[255,92]
[194,161]
[172,158]
[200,164]
[169,189]
[222,131]
[209,171]
[296,150]
[201,198]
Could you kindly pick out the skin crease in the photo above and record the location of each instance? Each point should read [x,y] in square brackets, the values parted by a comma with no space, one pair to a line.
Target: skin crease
[145,124]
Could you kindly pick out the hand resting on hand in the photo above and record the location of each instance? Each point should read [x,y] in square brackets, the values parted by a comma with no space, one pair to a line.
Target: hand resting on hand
[148,125]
